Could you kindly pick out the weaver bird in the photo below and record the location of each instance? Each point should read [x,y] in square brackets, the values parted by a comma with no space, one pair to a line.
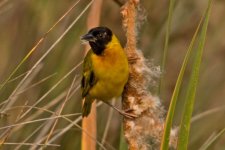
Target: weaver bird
[105,69]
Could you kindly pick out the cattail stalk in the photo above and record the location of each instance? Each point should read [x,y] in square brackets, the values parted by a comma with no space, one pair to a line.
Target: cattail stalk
[145,131]
[89,123]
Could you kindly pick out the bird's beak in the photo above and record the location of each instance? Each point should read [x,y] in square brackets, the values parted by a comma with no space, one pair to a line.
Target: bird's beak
[87,37]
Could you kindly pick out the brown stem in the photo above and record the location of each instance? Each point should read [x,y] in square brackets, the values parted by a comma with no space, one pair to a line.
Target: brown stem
[145,131]
[89,123]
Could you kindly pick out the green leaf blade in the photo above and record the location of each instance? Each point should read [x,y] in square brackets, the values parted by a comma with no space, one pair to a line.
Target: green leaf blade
[170,115]
[191,92]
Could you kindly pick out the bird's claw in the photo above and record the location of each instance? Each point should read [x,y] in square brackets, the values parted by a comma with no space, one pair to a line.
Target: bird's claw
[128,114]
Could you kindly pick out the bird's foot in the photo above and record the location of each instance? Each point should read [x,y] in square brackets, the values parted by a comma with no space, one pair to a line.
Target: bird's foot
[128,113]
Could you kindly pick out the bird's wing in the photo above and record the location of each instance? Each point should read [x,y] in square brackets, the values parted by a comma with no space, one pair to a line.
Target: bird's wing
[88,79]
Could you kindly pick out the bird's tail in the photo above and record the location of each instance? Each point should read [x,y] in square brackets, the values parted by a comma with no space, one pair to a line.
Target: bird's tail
[86,107]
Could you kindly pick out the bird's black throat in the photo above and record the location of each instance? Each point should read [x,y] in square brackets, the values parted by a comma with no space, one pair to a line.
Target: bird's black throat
[97,47]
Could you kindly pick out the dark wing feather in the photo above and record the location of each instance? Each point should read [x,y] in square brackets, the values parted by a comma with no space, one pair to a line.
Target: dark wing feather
[88,79]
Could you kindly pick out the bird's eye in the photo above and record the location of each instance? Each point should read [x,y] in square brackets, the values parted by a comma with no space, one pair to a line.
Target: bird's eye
[100,35]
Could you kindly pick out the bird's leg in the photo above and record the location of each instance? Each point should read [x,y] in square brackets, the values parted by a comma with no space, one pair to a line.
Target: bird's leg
[124,113]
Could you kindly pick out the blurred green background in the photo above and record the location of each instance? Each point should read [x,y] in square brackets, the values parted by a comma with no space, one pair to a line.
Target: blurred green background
[24,22]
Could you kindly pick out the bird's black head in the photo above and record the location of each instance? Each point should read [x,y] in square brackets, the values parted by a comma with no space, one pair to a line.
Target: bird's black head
[98,38]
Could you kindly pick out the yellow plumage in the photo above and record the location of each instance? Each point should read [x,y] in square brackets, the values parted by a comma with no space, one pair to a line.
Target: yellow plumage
[111,70]
[104,74]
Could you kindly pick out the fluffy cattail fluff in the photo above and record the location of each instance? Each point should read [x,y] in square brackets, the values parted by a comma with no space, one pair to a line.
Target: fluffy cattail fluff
[145,131]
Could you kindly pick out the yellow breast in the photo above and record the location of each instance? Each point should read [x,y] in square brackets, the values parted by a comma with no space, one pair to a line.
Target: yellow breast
[111,71]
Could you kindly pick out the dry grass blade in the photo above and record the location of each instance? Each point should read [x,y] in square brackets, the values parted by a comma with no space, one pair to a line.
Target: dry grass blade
[52,88]
[31,144]
[108,122]
[9,128]
[74,123]
[27,88]
[17,77]
[45,108]
[8,131]
[42,135]
[4,137]
[46,53]
[12,98]
[33,85]
[30,136]
[37,83]
[33,107]
[60,111]
[37,44]
[206,113]
[49,50]
[209,142]
[38,120]
[53,103]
